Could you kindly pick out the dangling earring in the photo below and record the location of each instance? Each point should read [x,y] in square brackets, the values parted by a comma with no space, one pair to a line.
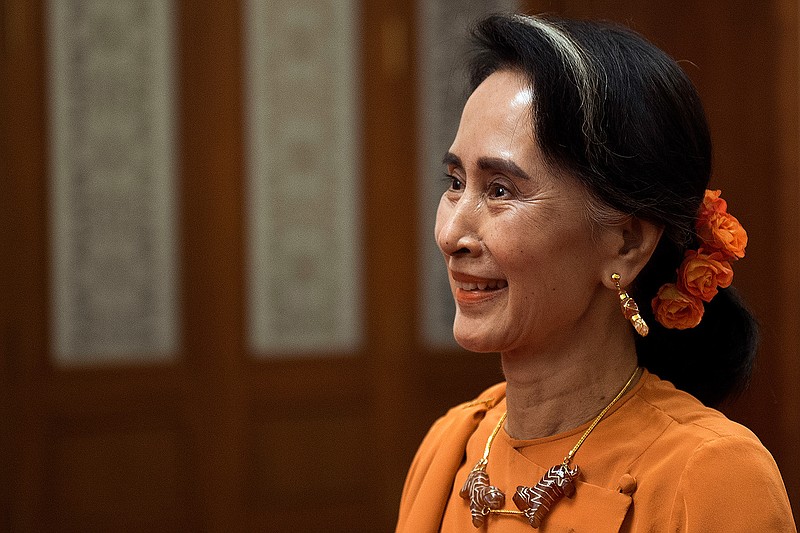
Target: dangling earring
[630,309]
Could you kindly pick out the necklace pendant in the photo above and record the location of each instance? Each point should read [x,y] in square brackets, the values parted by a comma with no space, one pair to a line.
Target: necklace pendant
[535,502]
[483,497]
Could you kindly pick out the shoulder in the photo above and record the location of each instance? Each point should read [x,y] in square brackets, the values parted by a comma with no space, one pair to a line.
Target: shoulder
[730,481]
[689,436]
[438,458]
[718,472]
[686,416]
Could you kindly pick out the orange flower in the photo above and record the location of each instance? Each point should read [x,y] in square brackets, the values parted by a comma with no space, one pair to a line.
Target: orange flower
[712,203]
[680,305]
[676,310]
[700,274]
[721,232]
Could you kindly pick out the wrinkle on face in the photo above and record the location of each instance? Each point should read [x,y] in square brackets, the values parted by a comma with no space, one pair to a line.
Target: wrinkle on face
[536,238]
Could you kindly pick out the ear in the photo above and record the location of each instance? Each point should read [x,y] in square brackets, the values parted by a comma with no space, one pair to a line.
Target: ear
[635,241]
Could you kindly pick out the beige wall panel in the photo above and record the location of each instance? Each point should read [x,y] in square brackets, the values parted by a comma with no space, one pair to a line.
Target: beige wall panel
[112,180]
[303,176]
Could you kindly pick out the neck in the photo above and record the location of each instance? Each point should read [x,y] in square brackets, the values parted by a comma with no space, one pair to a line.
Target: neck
[559,389]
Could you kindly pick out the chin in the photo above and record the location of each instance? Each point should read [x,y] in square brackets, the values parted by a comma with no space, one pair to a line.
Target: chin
[474,341]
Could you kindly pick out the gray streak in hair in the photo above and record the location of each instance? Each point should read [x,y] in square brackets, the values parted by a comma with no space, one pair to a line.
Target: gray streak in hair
[587,73]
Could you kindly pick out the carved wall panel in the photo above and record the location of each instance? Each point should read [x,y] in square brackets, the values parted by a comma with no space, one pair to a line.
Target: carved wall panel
[112,180]
[303,200]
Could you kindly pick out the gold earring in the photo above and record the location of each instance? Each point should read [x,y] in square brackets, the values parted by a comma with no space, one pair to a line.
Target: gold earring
[630,309]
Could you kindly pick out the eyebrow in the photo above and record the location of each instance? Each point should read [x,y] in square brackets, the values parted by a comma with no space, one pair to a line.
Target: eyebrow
[497,164]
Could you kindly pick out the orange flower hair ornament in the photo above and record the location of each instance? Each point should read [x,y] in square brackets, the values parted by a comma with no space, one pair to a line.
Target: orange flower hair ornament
[679,305]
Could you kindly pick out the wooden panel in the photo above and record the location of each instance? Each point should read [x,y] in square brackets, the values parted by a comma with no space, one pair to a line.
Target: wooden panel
[24,155]
[329,444]
[390,255]
[112,448]
[305,383]
[786,233]
[211,217]
[6,336]
[26,295]
[316,516]
[103,479]
[299,463]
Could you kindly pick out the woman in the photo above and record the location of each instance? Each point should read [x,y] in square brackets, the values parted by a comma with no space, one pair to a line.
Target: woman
[577,183]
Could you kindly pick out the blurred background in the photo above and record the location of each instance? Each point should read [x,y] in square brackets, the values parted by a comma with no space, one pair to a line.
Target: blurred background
[221,308]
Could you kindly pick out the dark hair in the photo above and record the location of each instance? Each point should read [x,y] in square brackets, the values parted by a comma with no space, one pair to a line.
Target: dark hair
[615,112]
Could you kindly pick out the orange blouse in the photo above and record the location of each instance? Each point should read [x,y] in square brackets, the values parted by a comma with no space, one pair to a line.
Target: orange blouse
[659,461]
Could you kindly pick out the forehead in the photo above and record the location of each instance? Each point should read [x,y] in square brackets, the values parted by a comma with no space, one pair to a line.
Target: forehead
[504,94]
[509,86]
[496,120]
[497,125]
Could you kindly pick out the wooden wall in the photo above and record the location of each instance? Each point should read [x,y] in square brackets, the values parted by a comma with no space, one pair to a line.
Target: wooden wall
[222,441]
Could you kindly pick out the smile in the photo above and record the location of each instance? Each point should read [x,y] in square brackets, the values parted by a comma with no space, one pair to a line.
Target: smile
[473,289]
[490,284]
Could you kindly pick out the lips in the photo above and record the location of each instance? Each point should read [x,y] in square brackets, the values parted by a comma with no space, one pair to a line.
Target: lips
[472,289]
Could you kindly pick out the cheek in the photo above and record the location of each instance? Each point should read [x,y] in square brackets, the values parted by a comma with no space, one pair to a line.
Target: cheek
[542,261]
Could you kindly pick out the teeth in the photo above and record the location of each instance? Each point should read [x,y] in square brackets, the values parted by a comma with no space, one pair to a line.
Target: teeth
[488,284]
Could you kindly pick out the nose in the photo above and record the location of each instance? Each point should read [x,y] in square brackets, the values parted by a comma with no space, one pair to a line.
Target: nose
[457,228]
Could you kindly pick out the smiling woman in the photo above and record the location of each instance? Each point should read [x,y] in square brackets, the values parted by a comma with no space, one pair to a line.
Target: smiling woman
[508,219]
[577,186]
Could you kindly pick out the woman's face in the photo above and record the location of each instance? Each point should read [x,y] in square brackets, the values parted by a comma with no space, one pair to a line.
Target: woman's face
[525,265]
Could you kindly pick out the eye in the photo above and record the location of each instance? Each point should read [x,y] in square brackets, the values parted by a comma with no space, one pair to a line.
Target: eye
[455,183]
[498,190]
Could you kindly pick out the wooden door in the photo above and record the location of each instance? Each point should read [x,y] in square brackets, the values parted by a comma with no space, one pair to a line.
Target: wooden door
[214,437]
